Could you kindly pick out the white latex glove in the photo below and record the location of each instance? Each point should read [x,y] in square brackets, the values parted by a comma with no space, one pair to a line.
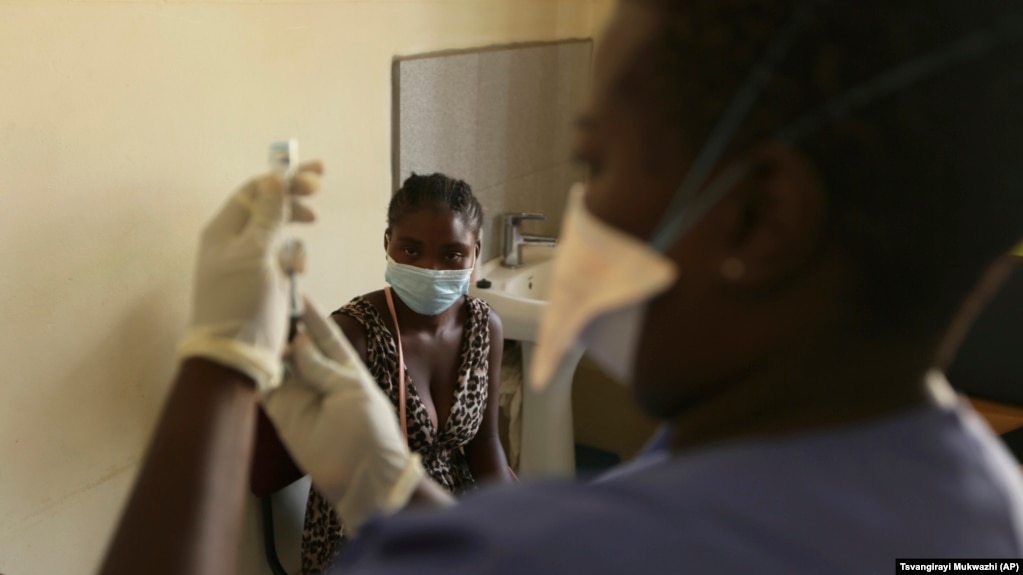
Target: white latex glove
[340,427]
[240,299]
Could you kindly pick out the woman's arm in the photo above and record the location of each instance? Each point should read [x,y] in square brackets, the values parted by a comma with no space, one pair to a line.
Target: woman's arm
[353,331]
[185,512]
[485,454]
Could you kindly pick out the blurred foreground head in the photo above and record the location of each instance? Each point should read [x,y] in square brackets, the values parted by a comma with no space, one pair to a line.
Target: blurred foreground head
[884,178]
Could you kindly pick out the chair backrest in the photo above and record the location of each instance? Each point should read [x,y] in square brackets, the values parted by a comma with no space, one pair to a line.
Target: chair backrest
[272,467]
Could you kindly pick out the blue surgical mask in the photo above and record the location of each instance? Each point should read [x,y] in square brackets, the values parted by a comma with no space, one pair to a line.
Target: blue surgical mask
[427,292]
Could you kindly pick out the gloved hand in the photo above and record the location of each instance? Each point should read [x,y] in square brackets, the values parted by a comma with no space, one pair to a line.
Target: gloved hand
[240,299]
[340,427]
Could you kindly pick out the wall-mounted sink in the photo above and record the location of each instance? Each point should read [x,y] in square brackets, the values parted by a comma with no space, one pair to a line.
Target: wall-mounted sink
[519,296]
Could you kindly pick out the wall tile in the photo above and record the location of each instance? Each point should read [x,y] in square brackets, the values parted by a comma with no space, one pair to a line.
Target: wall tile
[564,82]
[509,135]
[437,116]
[551,194]
[574,71]
[508,113]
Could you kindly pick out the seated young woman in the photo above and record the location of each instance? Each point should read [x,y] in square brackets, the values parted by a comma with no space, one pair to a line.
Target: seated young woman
[451,344]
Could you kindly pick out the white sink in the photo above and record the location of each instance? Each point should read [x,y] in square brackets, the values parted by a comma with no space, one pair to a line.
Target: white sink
[519,296]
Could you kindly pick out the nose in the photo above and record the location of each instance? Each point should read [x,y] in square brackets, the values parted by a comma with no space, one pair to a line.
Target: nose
[434,264]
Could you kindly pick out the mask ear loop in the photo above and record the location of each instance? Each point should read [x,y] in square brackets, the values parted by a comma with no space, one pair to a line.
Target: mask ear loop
[401,364]
[682,221]
[677,219]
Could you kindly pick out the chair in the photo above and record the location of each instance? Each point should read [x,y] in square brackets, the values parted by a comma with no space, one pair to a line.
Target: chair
[272,470]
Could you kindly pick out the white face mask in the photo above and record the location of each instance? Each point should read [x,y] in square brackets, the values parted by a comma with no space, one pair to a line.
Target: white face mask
[601,281]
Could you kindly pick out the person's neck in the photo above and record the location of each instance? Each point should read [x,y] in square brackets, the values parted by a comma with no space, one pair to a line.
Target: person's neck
[411,320]
[811,392]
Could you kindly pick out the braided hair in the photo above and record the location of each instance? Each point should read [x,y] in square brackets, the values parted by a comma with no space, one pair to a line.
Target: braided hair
[436,190]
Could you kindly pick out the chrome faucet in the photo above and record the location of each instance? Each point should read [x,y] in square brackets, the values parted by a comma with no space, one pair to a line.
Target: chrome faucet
[514,240]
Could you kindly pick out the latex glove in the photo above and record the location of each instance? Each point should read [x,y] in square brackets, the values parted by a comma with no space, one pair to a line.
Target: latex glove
[340,426]
[240,300]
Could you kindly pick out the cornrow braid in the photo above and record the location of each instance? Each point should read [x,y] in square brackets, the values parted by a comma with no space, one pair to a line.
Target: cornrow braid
[436,190]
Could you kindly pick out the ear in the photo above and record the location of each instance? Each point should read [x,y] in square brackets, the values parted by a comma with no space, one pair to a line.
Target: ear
[387,239]
[774,221]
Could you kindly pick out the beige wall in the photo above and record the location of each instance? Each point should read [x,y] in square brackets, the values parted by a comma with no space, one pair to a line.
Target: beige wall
[122,126]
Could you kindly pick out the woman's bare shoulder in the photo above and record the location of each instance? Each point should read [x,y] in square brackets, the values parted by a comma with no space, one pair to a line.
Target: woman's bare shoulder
[494,324]
[352,327]
[376,299]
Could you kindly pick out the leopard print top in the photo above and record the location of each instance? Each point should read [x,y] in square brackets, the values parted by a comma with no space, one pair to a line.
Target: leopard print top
[441,451]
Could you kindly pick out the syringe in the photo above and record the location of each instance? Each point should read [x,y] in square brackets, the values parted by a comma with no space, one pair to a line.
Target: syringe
[284,162]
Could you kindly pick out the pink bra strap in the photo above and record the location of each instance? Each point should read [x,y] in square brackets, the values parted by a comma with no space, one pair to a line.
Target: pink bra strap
[401,363]
[401,373]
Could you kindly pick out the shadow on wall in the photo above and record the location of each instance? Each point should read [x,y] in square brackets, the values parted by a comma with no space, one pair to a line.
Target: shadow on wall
[95,422]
